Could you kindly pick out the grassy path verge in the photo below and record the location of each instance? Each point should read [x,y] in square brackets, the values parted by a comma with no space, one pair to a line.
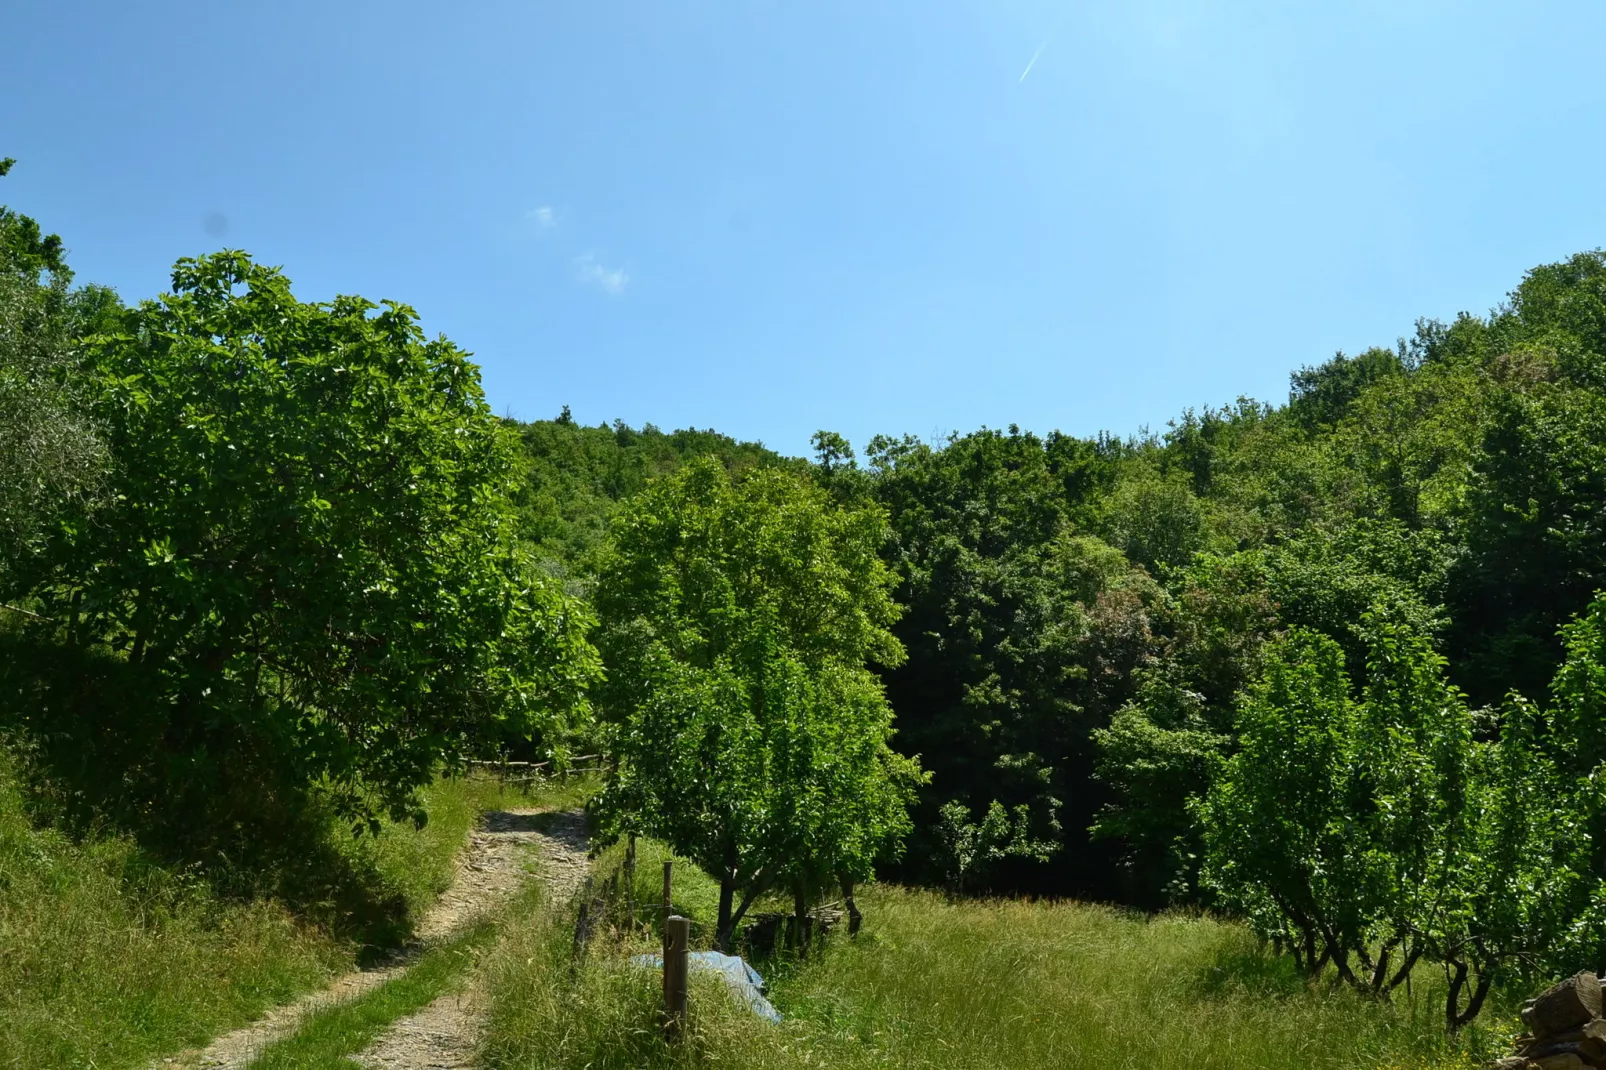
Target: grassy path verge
[325,1038]
[417,1017]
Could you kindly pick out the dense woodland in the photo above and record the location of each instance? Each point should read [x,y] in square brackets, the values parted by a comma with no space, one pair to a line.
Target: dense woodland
[1329,663]
[1072,604]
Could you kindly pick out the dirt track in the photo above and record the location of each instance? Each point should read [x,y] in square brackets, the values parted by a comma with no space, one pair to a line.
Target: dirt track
[441,1036]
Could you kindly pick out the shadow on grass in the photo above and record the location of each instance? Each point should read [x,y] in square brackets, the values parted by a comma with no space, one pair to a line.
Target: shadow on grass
[199,788]
[1256,971]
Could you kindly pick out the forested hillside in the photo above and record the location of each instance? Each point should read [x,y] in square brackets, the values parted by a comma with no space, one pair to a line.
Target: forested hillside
[1081,613]
[571,479]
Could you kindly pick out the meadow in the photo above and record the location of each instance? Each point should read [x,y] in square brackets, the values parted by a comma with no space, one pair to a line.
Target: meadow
[966,985]
[112,960]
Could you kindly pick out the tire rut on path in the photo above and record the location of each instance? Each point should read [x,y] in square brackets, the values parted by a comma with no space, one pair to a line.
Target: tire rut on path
[444,1035]
[488,872]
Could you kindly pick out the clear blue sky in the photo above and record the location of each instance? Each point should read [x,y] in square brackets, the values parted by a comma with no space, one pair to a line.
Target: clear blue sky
[771,218]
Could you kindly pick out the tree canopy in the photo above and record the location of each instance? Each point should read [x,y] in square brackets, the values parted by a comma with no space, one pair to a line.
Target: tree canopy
[738,616]
[50,447]
[307,546]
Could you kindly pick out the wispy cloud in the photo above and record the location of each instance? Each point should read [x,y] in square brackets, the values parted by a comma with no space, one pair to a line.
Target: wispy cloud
[609,280]
[543,218]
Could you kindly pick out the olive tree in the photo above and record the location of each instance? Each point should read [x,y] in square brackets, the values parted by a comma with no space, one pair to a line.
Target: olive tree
[49,447]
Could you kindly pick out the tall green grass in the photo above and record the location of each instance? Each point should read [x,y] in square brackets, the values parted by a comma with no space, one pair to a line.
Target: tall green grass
[983,985]
[108,958]
[418,864]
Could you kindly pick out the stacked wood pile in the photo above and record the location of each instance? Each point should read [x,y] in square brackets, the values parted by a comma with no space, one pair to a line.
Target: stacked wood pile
[1565,1029]
[763,932]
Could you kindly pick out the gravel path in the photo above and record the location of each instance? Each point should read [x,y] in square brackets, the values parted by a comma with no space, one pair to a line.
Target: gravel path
[441,1035]
[444,1034]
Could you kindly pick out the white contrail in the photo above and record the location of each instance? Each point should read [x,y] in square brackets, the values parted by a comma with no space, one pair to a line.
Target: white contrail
[1033,63]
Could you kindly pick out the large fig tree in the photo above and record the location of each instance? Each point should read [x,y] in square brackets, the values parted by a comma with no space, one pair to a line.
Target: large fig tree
[307,547]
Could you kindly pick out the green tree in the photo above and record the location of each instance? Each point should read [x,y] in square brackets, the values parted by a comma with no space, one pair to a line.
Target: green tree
[1369,834]
[1278,838]
[1409,798]
[1022,636]
[308,547]
[975,847]
[1323,395]
[1158,756]
[1155,519]
[1532,521]
[1535,535]
[1513,908]
[1572,802]
[50,448]
[571,479]
[1339,825]
[1410,438]
[737,619]
[1159,751]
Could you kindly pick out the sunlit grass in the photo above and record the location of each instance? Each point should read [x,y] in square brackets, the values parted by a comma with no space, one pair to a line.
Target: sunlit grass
[978,984]
[328,1036]
[107,959]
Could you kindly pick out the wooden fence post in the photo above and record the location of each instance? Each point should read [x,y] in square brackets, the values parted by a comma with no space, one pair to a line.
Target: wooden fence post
[630,884]
[579,947]
[677,938]
[582,928]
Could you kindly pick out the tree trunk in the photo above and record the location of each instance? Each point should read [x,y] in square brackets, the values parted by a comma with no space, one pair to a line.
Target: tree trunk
[727,899]
[855,919]
[759,884]
[800,919]
[630,883]
[1306,955]
[1403,974]
[1455,1017]
[1380,972]
[1340,956]
[1475,1004]
[1452,997]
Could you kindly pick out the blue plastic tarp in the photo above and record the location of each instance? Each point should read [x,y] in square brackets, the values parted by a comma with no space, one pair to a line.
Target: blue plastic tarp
[741,978]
